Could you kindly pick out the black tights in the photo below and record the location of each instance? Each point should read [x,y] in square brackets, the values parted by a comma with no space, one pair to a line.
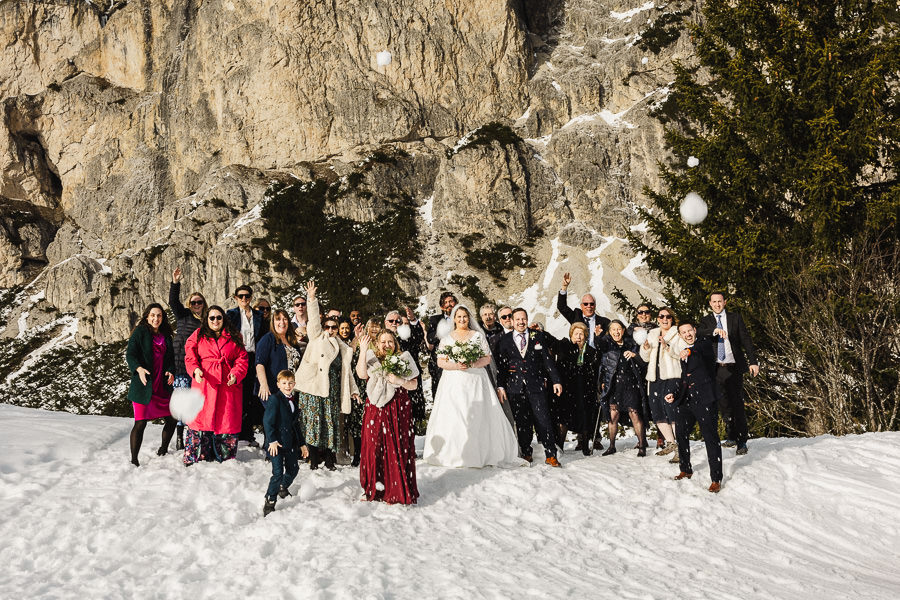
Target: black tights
[137,438]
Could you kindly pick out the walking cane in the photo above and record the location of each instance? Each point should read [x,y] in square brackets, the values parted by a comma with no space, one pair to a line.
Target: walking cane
[596,427]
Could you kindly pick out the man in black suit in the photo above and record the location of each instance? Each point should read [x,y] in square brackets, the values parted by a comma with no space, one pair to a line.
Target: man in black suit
[523,363]
[250,323]
[696,401]
[735,355]
[587,314]
[447,302]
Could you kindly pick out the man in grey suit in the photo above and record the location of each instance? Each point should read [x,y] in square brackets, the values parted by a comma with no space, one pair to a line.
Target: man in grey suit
[735,355]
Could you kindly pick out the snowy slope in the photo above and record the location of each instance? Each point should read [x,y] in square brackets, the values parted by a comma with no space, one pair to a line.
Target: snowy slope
[797,518]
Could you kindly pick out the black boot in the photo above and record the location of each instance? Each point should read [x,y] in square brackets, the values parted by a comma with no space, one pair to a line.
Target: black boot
[314,458]
[283,493]
[268,507]
[179,442]
[329,459]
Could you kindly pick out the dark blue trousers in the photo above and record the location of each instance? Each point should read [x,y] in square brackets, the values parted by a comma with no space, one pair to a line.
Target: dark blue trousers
[707,417]
[532,412]
[285,467]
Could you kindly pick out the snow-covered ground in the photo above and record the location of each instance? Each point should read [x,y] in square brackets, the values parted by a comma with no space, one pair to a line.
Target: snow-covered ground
[796,518]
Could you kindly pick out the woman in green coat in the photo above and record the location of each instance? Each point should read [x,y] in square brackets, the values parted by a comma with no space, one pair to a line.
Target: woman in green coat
[151,361]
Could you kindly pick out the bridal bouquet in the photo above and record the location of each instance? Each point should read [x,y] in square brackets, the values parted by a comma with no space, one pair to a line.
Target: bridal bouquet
[393,364]
[462,352]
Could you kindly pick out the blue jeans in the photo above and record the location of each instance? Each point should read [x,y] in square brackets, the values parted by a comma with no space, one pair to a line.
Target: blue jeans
[285,467]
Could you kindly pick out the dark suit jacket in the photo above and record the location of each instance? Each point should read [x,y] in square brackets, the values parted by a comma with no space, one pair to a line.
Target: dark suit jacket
[260,327]
[516,374]
[575,315]
[698,374]
[281,424]
[414,344]
[741,343]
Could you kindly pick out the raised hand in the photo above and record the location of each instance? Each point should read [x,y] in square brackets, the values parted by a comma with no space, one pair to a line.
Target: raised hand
[310,290]
[364,339]
[359,331]
[176,275]
[567,279]
[409,313]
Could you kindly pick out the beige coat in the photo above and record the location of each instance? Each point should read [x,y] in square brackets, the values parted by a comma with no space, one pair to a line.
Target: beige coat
[312,374]
[669,366]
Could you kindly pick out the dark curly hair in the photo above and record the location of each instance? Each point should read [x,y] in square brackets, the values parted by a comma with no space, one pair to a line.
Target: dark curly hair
[227,327]
[165,327]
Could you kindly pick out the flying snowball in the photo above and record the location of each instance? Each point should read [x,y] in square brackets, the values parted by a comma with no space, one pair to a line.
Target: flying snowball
[383,58]
[693,209]
[186,404]
[404,331]
[364,291]
[645,60]
[443,329]
[693,161]
[307,491]
[639,335]
[379,486]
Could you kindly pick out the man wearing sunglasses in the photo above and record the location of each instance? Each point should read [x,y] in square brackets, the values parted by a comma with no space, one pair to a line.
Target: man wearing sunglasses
[252,326]
[587,313]
[187,320]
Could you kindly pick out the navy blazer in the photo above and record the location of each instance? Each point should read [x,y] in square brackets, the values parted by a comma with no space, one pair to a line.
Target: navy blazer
[698,374]
[270,353]
[518,375]
[737,335]
[575,315]
[281,424]
[260,327]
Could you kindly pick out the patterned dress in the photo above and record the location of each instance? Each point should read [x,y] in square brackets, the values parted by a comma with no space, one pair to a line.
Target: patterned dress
[319,416]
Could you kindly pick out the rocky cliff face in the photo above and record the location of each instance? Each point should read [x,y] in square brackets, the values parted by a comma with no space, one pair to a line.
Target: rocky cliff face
[139,135]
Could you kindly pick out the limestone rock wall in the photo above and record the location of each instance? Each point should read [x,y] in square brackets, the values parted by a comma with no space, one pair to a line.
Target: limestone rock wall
[137,136]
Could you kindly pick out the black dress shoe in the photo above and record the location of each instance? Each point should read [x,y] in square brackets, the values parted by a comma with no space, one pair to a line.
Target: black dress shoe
[610,450]
[642,451]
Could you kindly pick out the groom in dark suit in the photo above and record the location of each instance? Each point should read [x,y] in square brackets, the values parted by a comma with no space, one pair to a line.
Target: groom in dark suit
[447,302]
[523,364]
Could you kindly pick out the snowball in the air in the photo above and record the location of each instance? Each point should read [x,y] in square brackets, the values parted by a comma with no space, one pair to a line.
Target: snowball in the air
[693,209]
[693,161]
[186,404]
[639,335]
[443,329]
[645,60]
[383,58]
[404,331]
[364,291]
[379,486]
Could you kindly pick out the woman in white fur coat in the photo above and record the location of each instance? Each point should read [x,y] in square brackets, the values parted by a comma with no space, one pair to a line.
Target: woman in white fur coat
[325,385]
[663,375]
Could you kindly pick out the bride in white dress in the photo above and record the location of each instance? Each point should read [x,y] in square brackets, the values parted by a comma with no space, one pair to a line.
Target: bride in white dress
[468,427]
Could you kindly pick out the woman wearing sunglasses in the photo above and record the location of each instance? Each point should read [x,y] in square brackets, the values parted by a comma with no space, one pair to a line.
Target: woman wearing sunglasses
[217,361]
[325,384]
[663,374]
[187,320]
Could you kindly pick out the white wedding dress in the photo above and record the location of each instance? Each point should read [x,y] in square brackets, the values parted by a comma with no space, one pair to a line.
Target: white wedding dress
[468,427]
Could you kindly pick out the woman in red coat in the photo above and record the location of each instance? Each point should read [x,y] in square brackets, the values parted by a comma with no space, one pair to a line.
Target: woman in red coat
[214,355]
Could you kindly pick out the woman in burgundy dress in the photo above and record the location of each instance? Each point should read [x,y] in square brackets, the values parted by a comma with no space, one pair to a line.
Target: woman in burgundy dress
[387,469]
[151,361]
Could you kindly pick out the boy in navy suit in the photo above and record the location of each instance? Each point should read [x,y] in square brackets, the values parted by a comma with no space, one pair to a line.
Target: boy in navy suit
[697,402]
[284,438]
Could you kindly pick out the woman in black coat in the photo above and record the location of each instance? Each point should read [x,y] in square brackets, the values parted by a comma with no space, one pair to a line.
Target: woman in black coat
[151,361]
[621,383]
[187,320]
[576,409]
